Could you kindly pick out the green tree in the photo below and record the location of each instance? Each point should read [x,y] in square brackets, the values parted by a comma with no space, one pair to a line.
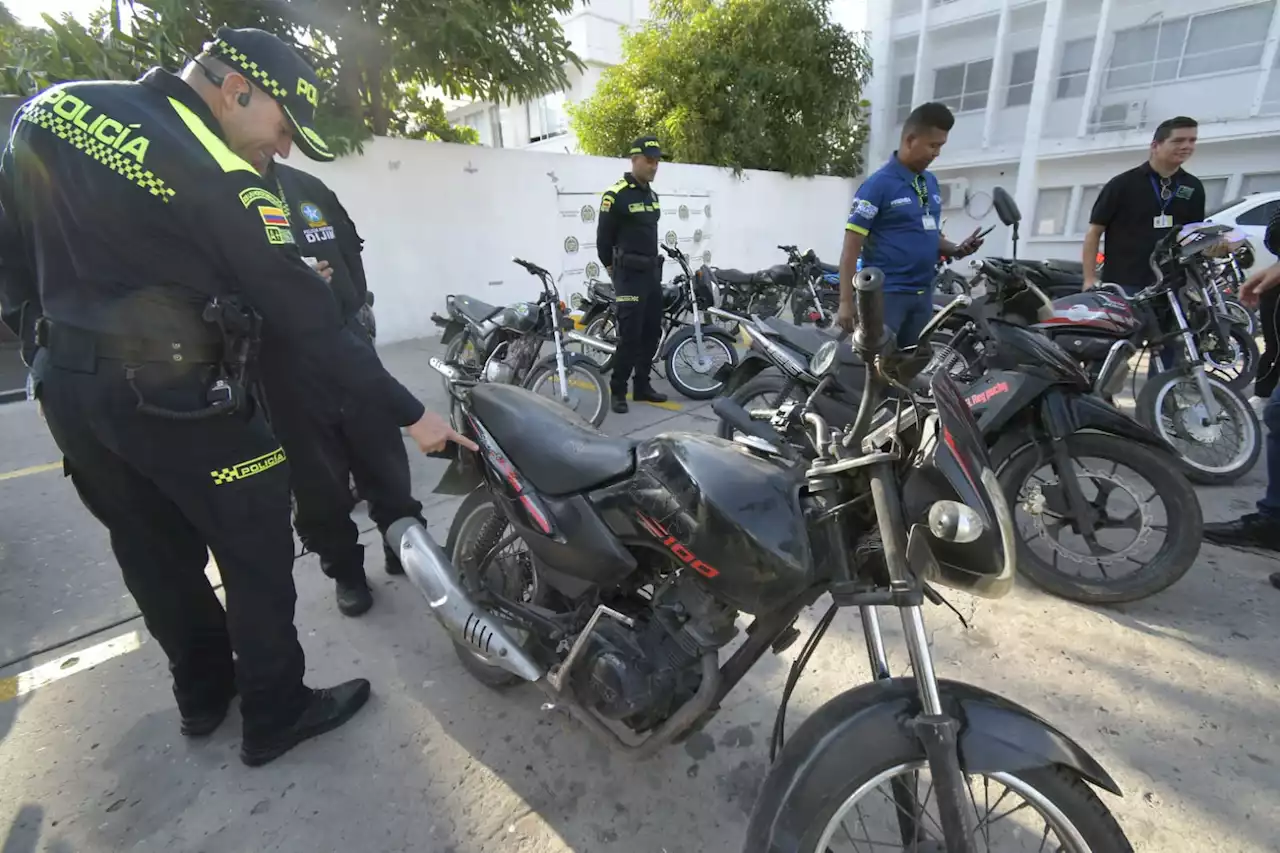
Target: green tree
[379,57]
[745,84]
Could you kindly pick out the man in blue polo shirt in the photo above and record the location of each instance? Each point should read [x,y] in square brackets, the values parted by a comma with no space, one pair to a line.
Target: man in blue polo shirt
[894,226]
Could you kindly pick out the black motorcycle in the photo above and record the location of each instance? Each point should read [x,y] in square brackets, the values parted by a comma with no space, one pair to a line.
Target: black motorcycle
[691,350]
[1042,425]
[504,345]
[609,572]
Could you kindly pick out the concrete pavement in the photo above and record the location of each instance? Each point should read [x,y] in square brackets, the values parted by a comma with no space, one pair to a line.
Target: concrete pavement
[1178,696]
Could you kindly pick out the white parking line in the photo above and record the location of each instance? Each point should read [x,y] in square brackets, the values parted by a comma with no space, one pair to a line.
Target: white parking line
[45,674]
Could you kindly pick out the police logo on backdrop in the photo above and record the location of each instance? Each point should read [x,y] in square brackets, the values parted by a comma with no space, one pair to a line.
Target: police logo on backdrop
[588,213]
[593,270]
[671,239]
[571,245]
[317,230]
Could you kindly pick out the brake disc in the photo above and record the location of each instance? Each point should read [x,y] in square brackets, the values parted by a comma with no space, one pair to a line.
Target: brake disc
[1036,505]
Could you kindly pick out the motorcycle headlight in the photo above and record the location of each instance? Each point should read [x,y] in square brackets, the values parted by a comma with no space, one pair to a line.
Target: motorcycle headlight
[952,521]
[824,360]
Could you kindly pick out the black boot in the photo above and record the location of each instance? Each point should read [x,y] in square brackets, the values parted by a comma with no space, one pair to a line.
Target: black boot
[204,722]
[1275,579]
[619,403]
[646,394]
[1250,531]
[353,595]
[326,710]
[393,565]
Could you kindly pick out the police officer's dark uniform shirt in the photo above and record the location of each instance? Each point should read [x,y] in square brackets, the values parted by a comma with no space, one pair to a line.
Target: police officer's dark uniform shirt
[898,212]
[132,211]
[628,222]
[323,230]
[1135,216]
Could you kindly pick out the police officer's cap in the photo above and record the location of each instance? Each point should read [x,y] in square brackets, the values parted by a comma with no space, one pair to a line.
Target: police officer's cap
[278,70]
[648,146]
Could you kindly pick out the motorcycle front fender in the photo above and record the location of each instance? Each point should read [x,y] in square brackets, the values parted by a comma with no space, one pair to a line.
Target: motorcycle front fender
[708,331]
[1088,412]
[751,366]
[871,725]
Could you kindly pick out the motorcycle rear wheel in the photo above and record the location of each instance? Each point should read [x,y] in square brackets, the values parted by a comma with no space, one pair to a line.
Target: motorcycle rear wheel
[1184,521]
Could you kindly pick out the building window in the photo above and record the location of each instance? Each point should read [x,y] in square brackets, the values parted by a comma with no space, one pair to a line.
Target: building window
[1051,212]
[1088,197]
[547,117]
[1260,182]
[1022,76]
[963,87]
[1215,190]
[1192,46]
[1073,71]
[906,84]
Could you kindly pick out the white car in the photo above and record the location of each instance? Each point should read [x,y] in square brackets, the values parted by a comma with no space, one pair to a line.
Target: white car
[1251,215]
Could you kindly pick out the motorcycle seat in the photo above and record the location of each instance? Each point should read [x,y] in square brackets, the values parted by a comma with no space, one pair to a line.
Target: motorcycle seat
[602,291]
[556,450]
[474,309]
[732,276]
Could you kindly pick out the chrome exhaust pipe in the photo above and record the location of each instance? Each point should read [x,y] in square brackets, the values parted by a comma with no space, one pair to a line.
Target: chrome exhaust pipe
[431,571]
[594,343]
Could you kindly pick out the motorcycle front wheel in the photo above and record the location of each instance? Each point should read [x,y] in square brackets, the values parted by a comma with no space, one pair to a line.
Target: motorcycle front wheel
[691,370]
[853,803]
[1235,360]
[1212,452]
[766,391]
[605,329]
[587,392]
[1136,494]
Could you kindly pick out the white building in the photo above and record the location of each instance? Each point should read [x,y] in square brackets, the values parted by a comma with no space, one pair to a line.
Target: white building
[1054,97]
[594,32]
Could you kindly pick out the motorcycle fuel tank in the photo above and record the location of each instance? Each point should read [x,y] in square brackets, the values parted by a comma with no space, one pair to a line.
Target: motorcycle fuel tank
[732,518]
[1093,311]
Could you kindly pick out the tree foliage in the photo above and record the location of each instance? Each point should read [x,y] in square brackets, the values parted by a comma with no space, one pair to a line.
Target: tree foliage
[378,57]
[746,84]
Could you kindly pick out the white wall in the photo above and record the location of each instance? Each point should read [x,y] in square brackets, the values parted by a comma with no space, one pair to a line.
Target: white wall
[440,219]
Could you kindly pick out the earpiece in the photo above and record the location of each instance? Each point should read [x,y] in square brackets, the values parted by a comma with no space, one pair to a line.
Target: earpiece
[243,98]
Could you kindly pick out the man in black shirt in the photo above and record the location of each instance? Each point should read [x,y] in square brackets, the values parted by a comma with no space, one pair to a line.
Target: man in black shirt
[1138,207]
[328,435]
[627,243]
[145,247]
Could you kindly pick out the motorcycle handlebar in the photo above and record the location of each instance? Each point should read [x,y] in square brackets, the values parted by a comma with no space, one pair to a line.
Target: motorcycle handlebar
[534,269]
[740,419]
[868,295]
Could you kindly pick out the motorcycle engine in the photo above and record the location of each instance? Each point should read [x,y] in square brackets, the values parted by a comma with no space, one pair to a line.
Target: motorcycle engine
[641,675]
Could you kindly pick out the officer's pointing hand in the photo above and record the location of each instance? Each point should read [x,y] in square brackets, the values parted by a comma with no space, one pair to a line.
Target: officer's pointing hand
[325,270]
[433,432]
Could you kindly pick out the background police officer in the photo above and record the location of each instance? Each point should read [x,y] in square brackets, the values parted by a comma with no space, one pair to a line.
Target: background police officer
[894,226]
[627,243]
[327,434]
[130,227]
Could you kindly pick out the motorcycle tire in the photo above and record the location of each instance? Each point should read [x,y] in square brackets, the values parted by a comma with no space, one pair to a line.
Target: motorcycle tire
[1185,522]
[462,537]
[1145,414]
[677,382]
[1241,315]
[605,329]
[1240,374]
[830,758]
[586,371]
[454,354]
[769,386]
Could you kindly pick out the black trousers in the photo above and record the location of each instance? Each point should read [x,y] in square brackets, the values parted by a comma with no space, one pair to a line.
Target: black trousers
[168,490]
[1268,369]
[329,441]
[639,313]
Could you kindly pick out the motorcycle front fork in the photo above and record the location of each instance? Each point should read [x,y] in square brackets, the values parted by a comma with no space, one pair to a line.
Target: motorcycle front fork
[1195,362]
[935,728]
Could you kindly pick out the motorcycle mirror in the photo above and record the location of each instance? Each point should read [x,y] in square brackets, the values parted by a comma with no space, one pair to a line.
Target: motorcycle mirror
[1006,207]
[824,360]
[368,298]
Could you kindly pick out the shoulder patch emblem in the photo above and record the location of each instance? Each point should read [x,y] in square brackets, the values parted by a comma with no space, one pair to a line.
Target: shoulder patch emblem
[606,202]
[273,216]
[255,194]
[864,208]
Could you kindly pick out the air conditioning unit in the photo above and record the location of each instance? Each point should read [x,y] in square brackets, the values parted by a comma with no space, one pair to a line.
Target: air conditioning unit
[1126,115]
[955,193]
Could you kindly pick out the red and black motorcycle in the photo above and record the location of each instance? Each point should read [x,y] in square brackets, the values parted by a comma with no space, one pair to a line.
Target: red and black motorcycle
[610,573]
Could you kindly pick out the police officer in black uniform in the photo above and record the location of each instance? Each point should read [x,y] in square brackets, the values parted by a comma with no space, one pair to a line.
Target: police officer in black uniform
[136,253]
[627,243]
[329,436]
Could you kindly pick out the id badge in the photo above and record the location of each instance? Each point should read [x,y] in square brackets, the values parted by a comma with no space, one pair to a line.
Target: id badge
[930,224]
[1163,221]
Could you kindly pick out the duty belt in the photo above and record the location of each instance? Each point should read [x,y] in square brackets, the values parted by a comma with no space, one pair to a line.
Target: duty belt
[59,336]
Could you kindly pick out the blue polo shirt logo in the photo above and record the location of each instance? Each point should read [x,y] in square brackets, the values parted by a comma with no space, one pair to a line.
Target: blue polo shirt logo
[889,211]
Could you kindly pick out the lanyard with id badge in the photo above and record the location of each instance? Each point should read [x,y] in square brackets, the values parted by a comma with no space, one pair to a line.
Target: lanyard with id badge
[921,186]
[1165,191]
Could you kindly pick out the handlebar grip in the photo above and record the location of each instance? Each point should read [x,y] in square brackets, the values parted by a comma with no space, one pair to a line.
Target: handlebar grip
[868,295]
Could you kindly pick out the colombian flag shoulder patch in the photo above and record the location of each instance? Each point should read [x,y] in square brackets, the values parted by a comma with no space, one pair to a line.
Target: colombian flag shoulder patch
[273,216]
